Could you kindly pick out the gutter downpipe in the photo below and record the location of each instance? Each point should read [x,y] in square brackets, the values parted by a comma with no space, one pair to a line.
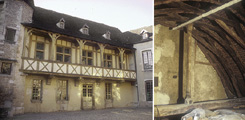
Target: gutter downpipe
[136,78]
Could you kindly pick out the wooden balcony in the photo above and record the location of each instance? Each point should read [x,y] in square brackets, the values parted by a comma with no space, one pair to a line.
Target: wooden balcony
[35,66]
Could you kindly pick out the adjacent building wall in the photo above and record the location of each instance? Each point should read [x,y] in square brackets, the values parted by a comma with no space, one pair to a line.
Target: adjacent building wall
[206,85]
[13,13]
[143,75]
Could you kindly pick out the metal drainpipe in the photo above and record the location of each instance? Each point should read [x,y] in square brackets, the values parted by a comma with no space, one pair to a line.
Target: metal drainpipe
[136,78]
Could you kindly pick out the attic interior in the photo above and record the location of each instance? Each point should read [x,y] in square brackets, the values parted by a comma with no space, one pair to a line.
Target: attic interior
[219,35]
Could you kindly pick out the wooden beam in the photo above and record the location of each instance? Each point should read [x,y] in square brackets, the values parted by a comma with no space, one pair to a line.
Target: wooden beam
[208,13]
[231,32]
[159,2]
[167,110]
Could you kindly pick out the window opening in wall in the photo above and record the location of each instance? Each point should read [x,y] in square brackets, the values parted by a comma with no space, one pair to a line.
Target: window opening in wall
[145,35]
[63,54]
[85,29]
[36,90]
[1,4]
[108,88]
[87,90]
[108,60]
[147,59]
[62,90]
[107,35]
[6,68]
[87,57]
[61,23]
[149,90]
[10,35]
[40,51]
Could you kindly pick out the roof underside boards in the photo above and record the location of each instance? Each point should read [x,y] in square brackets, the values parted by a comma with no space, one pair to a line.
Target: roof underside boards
[221,36]
[46,20]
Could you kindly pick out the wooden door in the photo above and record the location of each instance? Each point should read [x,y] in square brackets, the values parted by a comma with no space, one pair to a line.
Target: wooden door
[108,91]
[87,96]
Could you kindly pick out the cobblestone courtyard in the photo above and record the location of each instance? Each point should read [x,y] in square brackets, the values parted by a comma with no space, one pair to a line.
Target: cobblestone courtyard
[104,114]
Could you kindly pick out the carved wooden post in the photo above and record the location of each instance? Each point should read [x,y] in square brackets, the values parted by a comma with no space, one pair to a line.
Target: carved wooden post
[81,45]
[191,65]
[121,52]
[53,37]
[26,42]
[102,48]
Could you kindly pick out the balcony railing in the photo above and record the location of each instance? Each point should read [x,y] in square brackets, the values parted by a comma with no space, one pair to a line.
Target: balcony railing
[44,66]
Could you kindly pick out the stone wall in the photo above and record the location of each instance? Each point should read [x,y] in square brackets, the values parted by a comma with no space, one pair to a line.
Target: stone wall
[206,85]
[13,13]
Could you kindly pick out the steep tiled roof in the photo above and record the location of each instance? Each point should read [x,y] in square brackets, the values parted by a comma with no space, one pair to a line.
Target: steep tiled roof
[46,20]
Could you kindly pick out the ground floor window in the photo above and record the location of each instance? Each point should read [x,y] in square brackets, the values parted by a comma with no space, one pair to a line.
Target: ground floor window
[37,90]
[6,68]
[62,90]
[149,90]
[108,89]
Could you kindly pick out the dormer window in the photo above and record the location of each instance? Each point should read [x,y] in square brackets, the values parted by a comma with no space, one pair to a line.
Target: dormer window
[144,34]
[61,23]
[107,35]
[85,29]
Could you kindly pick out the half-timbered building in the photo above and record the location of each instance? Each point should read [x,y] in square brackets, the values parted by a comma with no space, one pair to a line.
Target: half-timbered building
[60,62]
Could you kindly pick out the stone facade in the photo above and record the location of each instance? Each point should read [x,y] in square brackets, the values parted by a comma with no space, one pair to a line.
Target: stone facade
[13,13]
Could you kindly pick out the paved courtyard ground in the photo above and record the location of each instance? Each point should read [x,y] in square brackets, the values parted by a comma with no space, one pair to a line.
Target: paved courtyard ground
[104,114]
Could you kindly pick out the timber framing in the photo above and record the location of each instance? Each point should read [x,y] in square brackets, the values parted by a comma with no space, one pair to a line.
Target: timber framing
[220,36]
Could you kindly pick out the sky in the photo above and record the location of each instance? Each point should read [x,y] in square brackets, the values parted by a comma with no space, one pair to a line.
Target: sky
[123,14]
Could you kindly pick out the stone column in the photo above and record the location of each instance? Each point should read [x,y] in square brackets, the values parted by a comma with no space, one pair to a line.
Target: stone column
[190,65]
[102,48]
[53,37]
[121,52]
[81,46]
[26,42]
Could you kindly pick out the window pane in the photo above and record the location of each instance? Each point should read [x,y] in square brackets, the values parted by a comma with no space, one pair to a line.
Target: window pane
[84,91]
[67,50]
[67,58]
[6,68]
[108,90]
[59,49]
[84,53]
[84,61]
[36,89]
[62,90]
[90,61]
[40,46]
[108,57]
[109,64]
[10,34]
[39,55]
[149,90]
[90,54]
[59,57]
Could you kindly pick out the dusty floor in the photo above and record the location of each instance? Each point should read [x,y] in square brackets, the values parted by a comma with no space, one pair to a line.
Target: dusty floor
[104,114]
